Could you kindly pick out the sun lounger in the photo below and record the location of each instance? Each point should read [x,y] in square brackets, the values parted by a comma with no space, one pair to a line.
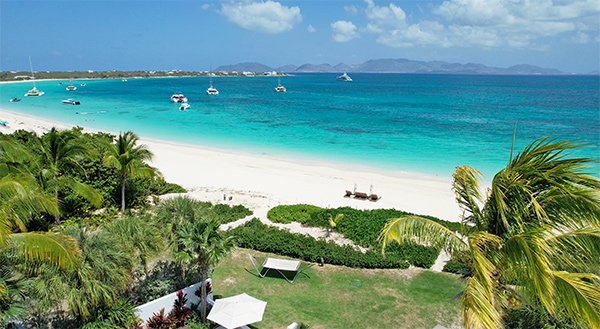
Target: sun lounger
[360,195]
[374,197]
[282,266]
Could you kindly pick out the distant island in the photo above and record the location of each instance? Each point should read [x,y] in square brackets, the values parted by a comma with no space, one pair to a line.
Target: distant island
[399,65]
[250,69]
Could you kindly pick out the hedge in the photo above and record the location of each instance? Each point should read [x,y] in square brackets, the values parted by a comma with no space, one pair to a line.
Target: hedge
[293,213]
[258,236]
[360,226]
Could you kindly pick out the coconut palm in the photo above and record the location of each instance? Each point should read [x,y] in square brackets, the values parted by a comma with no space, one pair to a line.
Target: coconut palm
[174,214]
[201,242]
[60,151]
[104,270]
[534,239]
[129,160]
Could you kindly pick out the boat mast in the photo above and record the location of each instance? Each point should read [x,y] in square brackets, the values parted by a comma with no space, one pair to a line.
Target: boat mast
[31,68]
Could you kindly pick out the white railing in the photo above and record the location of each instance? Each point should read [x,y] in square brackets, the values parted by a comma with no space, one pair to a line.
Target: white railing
[144,312]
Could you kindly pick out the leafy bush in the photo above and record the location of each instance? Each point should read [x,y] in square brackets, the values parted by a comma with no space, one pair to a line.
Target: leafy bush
[179,314]
[226,213]
[162,280]
[292,213]
[526,317]
[258,236]
[457,267]
[159,320]
[360,226]
[119,315]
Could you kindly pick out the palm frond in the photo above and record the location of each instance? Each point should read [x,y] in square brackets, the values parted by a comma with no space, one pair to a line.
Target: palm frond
[466,188]
[421,231]
[529,255]
[479,309]
[54,248]
[580,296]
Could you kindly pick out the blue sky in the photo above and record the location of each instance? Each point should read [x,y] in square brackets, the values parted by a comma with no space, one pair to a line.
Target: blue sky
[197,35]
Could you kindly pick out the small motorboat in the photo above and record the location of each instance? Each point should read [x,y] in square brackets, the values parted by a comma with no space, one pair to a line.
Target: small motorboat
[83,84]
[178,98]
[124,80]
[344,77]
[14,100]
[184,106]
[71,102]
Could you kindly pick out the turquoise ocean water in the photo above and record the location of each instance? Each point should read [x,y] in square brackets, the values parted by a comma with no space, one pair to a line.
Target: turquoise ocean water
[419,123]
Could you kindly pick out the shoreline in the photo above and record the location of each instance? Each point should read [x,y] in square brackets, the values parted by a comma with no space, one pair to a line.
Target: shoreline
[214,172]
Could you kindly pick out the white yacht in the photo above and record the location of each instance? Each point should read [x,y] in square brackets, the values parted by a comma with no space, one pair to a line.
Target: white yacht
[212,90]
[280,88]
[184,106]
[178,98]
[71,86]
[70,102]
[33,91]
[344,77]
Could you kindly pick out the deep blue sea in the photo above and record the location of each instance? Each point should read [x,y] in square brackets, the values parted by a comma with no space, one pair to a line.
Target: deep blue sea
[420,123]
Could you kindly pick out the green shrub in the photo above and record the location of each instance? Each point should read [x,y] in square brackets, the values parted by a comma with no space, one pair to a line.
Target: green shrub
[457,267]
[227,213]
[258,236]
[292,213]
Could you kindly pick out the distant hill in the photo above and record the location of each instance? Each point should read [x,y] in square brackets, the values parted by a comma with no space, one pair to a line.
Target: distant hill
[316,68]
[399,65]
[286,68]
[248,67]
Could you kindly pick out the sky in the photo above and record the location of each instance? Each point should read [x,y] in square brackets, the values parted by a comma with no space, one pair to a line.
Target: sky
[199,35]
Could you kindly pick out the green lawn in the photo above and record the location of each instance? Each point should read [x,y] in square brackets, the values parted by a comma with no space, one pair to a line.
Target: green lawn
[341,297]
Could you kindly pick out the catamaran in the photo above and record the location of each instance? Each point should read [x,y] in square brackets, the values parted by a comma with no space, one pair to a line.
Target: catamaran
[34,91]
[344,77]
[212,90]
[280,88]
[71,86]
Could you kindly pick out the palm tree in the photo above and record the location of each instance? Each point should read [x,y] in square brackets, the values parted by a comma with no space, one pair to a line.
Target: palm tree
[333,221]
[535,239]
[104,270]
[201,242]
[129,159]
[174,214]
[60,151]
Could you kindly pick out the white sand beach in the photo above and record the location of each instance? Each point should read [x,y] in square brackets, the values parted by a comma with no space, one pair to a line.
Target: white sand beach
[261,182]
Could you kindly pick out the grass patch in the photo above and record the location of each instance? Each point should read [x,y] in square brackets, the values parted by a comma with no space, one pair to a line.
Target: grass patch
[341,297]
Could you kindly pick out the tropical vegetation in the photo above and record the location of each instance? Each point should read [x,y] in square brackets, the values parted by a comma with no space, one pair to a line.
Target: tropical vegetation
[532,241]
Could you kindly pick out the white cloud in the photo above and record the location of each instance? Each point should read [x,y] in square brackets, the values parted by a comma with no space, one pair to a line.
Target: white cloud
[311,29]
[485,23]
[206,6]
[351,10]
[344,31]
[266,17]
[381,19]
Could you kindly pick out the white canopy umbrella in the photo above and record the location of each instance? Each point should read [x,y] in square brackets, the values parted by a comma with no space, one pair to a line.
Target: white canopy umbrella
[237,311]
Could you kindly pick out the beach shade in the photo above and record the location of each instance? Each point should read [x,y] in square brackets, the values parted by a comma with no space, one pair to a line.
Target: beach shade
[237,311]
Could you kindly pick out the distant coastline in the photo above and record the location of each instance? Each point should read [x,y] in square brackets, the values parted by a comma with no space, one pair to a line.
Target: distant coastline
[252,69]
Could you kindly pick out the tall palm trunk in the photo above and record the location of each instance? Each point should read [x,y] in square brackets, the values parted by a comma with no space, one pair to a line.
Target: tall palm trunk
[57,216]
[122,194]
[203,277]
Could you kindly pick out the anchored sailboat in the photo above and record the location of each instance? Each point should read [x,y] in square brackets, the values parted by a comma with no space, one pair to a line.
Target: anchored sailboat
[34,91]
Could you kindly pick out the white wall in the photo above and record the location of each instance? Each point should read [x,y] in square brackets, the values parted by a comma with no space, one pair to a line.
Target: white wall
[147,310]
